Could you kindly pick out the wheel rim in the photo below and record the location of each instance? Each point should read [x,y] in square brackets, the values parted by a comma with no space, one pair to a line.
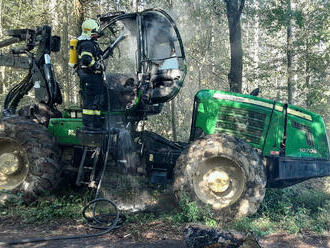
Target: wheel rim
[13,164]
[219,182]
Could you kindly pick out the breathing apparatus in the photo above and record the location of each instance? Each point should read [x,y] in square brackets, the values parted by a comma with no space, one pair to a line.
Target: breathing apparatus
[73,53]
[90,30]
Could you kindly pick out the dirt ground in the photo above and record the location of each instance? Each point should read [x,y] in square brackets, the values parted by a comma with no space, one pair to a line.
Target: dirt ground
[156,234]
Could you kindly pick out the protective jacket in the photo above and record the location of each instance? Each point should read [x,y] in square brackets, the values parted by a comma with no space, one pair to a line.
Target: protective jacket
[91,81]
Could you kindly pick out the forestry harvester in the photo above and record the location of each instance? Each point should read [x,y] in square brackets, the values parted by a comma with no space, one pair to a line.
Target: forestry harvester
[239,144]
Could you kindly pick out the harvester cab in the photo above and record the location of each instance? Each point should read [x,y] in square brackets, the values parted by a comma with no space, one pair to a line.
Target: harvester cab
[145,62]
[151,56]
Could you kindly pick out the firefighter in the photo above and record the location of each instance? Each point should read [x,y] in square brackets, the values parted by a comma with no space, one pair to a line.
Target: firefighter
[90,71]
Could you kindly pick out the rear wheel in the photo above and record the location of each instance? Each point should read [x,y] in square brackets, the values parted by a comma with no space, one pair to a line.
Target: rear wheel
[29,158]
[222,172]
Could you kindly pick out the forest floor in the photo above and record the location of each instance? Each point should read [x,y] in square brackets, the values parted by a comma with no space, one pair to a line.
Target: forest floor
[155,234]
[294,217]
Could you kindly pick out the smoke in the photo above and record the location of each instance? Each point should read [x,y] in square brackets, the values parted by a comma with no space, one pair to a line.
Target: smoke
[160,40]
[158,37]
[121,184]
[123,60]
[126,157]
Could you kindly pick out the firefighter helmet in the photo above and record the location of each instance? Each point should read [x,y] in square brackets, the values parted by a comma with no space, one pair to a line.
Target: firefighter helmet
[89,27]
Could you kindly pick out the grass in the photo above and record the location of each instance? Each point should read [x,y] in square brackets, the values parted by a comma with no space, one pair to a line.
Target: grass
[189,211]
[296,209]
[62,205]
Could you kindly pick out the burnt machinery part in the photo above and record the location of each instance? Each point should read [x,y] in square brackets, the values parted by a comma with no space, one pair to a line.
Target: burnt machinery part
[8,42]
[40,113]
[29,158]
[15,95]
[41,73]
[222,172]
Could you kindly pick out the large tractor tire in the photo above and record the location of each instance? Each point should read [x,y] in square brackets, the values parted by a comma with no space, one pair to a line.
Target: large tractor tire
[221,172]
[29,158]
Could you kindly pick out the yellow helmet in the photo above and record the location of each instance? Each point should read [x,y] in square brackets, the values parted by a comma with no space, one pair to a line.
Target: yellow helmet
[89,27]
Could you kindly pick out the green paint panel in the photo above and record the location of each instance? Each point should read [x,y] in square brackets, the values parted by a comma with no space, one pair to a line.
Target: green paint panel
[261,123]
[306,134]
[275,132]
[246,117]
[64,129]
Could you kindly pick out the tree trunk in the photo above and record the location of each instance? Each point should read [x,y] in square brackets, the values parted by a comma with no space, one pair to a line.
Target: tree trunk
[256,44]
[234,12]
[2,68]
[80,16]
[289,53]
[307,85]
[65,53]
[134,5]
[54,14]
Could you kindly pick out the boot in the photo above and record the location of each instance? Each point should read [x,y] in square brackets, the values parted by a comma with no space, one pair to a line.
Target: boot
[98,122]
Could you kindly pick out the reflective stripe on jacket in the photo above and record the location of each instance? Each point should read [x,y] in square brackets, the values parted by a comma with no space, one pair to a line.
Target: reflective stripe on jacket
[91,112]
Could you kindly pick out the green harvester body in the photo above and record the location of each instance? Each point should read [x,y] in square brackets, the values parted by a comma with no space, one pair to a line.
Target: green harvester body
[263,124]
[293,141]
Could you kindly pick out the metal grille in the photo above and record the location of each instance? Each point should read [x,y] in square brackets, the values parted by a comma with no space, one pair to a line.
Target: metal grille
[245,124]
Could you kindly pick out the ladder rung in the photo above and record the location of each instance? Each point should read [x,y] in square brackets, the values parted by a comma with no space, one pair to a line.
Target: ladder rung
[89,168]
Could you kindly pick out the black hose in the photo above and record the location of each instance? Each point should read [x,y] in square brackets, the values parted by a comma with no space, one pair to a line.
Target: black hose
[106,229]
[109,227]
[99,222]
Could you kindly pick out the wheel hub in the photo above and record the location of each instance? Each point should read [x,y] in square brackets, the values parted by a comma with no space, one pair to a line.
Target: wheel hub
[218,181]
[13,164]
[9,163]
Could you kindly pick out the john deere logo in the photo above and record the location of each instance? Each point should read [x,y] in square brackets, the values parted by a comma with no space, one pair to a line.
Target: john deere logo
[71,132]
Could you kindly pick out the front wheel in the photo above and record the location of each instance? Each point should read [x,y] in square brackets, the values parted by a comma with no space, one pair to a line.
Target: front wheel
[29,158]
[222,172]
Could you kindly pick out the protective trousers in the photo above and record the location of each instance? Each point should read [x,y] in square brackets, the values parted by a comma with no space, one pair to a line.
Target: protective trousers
[92,94]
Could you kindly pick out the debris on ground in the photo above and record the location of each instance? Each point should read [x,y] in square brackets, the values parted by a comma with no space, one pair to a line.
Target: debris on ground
[197,236]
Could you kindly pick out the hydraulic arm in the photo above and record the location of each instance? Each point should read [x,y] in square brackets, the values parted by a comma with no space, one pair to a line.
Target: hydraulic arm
[40,71]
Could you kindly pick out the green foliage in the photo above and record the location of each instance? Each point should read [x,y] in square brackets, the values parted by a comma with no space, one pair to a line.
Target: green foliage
[296,210]
[48,208]
[277,16]
[141,218]
[189,211]
[259,226]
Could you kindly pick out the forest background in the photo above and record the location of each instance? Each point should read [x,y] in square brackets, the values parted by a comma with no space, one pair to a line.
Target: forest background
[272,32]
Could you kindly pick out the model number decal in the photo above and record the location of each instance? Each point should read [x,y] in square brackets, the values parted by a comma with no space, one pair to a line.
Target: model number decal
[308,150]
